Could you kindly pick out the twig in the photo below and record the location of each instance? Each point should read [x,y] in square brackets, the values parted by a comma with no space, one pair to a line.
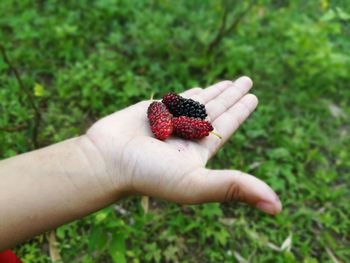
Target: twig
[53,247]
[15,128]
[223,31]
[145,204]
[37,114]
[331,255]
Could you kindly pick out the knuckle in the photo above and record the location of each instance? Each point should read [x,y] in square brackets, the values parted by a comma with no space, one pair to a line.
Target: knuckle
[245,112]
[233,193]
[223,102]
[197,89]
[198,98]
[227,82]
[144,103]
[236,121]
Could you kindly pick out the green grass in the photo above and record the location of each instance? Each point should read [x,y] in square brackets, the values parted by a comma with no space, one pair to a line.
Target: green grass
[95,57]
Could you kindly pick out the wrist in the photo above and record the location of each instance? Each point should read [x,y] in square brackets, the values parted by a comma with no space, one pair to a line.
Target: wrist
[98,167]
[52,186]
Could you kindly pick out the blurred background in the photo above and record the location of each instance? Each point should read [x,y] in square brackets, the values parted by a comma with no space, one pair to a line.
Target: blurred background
[65,64]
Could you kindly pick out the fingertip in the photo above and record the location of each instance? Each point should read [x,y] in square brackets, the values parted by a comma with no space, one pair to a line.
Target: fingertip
[279,207]
[270,207]
[245,80]
[252,99]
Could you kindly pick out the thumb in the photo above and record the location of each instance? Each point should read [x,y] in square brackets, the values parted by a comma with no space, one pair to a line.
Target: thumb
[232,185]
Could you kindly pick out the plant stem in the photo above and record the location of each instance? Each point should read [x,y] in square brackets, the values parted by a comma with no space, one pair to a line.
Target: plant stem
[37,114]
[216,134]
[19,127]
[223,31]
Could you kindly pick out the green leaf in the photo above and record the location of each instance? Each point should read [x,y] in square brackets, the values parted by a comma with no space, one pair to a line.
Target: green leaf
[38,90]
[222,236]
[117,249]
[279,154]
[328,16]
[98,240]
[171,253]
[342,14]
[211,210]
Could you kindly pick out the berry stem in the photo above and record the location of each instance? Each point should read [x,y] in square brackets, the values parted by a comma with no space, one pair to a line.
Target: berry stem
[216,134]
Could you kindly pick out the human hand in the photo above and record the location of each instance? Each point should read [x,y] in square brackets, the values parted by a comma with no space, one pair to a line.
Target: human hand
[137,163]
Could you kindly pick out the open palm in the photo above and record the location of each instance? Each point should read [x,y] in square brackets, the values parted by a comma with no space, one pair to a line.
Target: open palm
[174,169]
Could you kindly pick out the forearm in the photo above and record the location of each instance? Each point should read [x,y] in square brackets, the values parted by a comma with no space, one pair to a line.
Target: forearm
[49,187]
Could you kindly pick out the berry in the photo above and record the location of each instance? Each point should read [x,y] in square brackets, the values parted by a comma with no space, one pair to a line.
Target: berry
[191,128]
[156,109]
[180,106]
[160,120]
[173,101]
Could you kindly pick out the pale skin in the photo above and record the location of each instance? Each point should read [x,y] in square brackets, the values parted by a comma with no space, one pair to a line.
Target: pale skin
[118,156]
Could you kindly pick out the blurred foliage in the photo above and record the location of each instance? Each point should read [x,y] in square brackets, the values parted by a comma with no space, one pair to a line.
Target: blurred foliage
[81,60]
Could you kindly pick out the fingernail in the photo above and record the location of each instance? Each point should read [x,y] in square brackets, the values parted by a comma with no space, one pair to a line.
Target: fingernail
[270,208]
